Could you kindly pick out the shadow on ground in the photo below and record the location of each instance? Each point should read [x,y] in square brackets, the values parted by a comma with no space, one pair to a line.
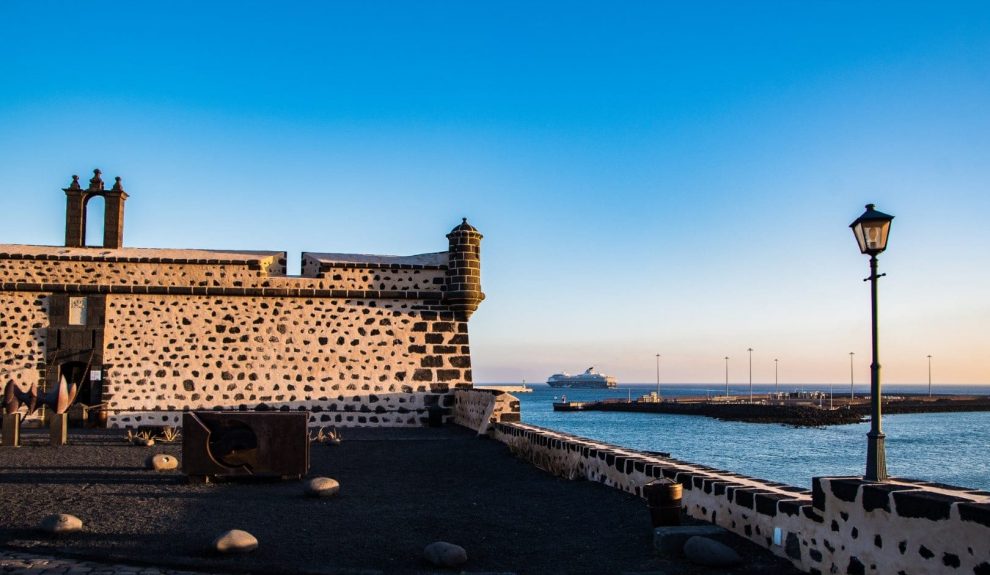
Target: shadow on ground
[400,490]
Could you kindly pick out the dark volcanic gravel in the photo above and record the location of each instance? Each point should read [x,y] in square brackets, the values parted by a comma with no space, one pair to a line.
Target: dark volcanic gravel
[400,490]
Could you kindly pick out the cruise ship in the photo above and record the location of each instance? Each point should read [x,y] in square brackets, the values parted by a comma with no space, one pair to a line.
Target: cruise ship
[590,379]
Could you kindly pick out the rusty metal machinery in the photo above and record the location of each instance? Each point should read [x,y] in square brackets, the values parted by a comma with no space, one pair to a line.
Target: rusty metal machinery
[244,444]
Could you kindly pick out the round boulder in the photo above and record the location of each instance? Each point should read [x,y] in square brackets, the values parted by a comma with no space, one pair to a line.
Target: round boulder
[61,523]
[161,462]
[443,554]
[710,553]
[322,487]
[235,541]
[143,441]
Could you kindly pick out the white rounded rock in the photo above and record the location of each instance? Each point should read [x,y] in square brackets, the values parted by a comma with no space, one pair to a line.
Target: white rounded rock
[710,553]
[235,541]
[443,554]
[322,487]
[61,523]
[161,462]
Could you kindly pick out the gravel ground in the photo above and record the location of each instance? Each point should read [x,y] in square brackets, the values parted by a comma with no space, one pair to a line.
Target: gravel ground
[400,490]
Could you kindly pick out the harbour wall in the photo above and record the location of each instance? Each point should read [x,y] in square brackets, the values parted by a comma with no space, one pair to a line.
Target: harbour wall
[842,525]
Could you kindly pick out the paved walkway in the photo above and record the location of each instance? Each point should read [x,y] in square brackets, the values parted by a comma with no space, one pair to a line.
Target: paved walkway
[26,564]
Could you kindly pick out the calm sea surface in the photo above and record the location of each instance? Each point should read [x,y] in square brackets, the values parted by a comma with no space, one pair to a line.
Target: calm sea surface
[951,448]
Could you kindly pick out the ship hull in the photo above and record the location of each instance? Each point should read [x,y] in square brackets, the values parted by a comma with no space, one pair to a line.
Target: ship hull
[582,384]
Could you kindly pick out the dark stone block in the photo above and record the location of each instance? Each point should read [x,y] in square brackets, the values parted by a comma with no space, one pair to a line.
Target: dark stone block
[878,541]
[448,374]
[877,495]
[845,489]
[744,498]
[817,493]
[766,503]
[431,361]
[925,552]
[950,560]
[791,507]
[902,547]
[423,375]
[924,504]
[975,512]
[855,567]
[810,512]
[815,555]
[792,546]
[982,569]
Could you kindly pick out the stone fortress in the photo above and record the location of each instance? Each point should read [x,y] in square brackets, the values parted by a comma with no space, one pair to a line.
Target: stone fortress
[356,340]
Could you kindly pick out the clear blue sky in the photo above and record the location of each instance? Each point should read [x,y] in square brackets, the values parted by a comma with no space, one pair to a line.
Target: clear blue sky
[671,178]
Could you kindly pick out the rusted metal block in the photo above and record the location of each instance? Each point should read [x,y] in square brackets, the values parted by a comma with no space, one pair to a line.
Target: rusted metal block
[244,444]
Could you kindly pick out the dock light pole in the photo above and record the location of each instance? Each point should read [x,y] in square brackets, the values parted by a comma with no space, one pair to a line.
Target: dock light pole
[929,376]
[751,375]
[776,382]
[658,376]
[852,394]
[726,377]
[871,230]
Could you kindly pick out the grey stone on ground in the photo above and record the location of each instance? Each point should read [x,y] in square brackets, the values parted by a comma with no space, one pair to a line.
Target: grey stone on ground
[669,540]
[235,541]
[61,523]
[443,554]
[322,487]
[710,553]
[161,462]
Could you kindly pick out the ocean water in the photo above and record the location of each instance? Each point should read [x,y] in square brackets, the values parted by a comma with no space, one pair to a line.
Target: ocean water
[951,448]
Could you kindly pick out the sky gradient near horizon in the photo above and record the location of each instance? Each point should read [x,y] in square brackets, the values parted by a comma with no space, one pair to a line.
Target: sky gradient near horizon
[673,178]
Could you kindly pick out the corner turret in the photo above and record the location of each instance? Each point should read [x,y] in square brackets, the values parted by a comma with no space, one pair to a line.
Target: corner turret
[463,280]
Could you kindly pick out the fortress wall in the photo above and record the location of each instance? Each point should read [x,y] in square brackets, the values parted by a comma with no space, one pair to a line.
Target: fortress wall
[22,338]
[383,279]
[846,525]
[350,362]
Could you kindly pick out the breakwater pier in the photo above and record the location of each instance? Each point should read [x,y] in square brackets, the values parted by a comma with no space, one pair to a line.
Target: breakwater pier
[805,410]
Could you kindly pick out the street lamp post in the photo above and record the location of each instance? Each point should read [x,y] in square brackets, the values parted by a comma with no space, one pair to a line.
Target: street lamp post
[726,377]
[852,394]
[776,382]
[658,377]
[871,230]
[929,376]
[751,375]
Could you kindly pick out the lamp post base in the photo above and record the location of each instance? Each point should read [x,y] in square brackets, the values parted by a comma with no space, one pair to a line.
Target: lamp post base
[876,459]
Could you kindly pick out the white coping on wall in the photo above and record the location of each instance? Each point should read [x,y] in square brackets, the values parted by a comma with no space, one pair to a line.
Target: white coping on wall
[430,259]
[673,462]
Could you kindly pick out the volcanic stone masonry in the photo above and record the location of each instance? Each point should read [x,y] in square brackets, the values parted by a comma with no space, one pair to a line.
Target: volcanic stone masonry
[149,333]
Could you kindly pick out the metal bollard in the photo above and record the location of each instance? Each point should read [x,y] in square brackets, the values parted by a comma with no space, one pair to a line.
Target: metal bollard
[663,498]
[12,430]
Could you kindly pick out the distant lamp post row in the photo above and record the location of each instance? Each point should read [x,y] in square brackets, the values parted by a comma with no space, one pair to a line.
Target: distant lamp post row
[871,230]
